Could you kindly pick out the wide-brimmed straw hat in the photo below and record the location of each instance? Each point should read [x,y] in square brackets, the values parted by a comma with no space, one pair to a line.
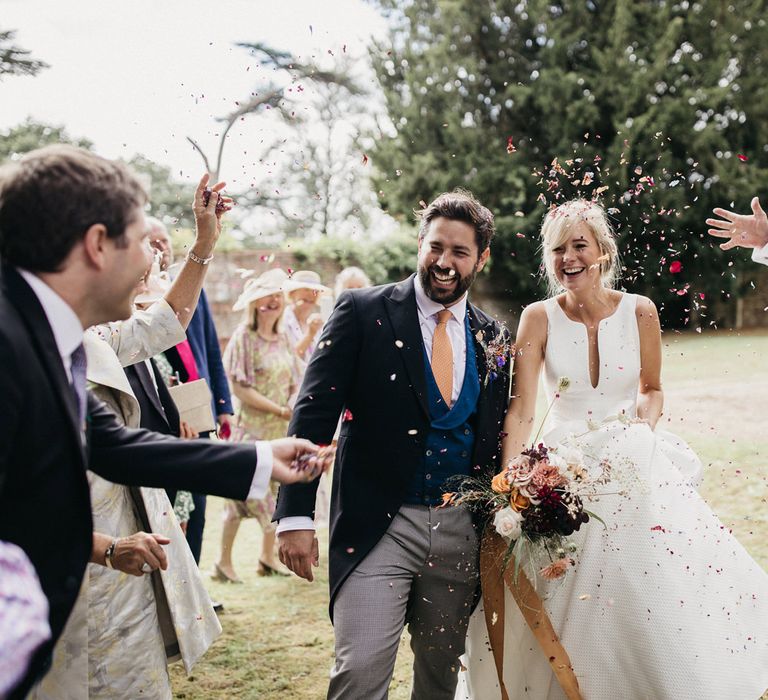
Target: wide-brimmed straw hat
[265,285]
[306,279]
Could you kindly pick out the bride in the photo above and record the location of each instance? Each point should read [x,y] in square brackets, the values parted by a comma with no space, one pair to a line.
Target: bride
[663,602]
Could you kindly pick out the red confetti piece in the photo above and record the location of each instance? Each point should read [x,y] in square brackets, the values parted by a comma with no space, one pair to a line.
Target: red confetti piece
[510,146]
[347,416]
[658,528]
[742,157]
[675,267]
[365,159]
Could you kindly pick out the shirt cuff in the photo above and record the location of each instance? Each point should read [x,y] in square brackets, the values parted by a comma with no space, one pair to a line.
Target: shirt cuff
[760,255]
[263,472]
[294,522]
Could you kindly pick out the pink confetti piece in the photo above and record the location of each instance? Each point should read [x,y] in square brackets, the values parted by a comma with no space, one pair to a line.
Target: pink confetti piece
[510,146]
[675,267]
[742,157]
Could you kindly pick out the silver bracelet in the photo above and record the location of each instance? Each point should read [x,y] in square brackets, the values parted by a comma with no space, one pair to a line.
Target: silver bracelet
[109,554]
[197,259]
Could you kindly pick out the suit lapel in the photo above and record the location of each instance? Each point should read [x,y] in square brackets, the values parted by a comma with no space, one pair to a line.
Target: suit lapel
[32,315]
[149,388]
[484,331]
[404,317]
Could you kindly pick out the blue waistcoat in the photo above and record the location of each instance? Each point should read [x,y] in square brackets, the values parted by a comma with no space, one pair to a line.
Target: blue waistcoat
[451,438]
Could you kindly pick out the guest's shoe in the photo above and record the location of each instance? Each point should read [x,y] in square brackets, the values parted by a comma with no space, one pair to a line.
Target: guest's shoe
[218,574]
[266,570]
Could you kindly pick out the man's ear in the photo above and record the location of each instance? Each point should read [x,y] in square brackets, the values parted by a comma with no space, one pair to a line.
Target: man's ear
[95,244]
[483,259]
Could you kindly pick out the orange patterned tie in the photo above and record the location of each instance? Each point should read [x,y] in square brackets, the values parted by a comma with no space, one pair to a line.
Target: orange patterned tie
[442,356]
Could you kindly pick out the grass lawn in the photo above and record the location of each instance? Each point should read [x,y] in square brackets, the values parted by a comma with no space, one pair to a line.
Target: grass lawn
[277,640]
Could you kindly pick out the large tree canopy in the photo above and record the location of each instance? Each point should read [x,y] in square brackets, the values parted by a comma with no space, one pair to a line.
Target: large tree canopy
[658,109]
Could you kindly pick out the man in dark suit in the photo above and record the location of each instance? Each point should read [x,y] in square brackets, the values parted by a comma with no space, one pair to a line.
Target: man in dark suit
[73,247]
[424,378]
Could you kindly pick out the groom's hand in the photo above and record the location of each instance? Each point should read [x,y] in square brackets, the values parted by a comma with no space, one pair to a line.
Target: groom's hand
[298,550]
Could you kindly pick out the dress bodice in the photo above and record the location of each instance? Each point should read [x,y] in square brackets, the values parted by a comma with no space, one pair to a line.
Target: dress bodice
[567,355]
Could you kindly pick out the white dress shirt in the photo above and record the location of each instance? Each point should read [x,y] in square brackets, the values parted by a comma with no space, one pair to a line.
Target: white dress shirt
[760,255]
[68,334]
[457,335]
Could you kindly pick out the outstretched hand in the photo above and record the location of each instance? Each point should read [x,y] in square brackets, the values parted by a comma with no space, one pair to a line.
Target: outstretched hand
[298,460]
[741,230]
[140,553]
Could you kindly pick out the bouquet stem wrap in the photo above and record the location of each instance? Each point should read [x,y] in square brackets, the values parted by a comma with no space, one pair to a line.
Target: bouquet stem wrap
[493,576]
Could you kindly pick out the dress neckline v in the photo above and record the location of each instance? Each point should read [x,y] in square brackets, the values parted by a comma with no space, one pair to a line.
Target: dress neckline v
[581,323]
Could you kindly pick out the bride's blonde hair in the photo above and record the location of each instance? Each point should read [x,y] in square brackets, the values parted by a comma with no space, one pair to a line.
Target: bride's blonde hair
[557,229]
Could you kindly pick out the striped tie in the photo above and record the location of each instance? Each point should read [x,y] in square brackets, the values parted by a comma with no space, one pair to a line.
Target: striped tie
[442,356]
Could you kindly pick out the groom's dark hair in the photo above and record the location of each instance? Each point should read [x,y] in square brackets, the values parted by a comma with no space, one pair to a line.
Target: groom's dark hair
[460,205]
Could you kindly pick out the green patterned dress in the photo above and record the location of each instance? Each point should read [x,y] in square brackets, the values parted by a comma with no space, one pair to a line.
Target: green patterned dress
[271,368]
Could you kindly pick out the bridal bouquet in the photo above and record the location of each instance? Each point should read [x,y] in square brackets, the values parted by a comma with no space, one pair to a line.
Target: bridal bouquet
[536,502]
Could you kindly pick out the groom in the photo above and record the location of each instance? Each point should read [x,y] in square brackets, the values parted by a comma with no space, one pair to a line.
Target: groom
[425,399]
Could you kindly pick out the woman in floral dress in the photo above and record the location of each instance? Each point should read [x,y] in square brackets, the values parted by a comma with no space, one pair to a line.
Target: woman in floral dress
[264,373]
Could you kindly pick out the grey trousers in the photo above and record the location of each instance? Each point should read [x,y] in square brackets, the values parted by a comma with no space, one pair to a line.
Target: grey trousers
[423,572]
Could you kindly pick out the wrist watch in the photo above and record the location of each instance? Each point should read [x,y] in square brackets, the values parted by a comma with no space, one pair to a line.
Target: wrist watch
[109,554]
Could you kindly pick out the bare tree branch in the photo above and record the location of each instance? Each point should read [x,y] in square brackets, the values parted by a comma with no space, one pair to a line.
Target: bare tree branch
[202,154]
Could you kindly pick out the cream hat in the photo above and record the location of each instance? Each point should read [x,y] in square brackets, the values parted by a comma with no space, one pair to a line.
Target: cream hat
[306,279]
[268,283]
[157,286]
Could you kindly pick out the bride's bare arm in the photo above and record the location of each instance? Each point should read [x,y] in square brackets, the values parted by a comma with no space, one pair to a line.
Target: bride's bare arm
[650,396]
[530,343]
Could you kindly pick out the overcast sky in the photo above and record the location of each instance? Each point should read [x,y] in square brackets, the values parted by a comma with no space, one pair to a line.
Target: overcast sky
[140,76]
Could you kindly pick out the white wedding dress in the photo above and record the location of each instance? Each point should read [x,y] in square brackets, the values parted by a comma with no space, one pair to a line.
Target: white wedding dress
[664,603]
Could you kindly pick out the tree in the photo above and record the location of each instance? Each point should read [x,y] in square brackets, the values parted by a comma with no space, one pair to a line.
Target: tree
[170,200]
[14,60]
[31,134]
[644,106]
[324,175]
[272,95]
[316,180]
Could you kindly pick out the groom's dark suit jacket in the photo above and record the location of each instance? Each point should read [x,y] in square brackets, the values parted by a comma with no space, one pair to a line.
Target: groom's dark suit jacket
[44,497]
[370,360]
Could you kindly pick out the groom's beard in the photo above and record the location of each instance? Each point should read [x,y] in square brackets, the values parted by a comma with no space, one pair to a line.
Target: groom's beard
[445,296]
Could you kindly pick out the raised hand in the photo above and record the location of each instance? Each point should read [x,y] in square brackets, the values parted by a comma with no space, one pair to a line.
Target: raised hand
[299,551]
[209,206]
[741,230]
